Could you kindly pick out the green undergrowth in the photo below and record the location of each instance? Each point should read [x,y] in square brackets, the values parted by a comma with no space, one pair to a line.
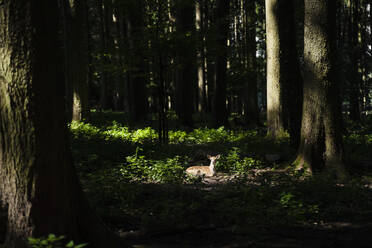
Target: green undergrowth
[53,241]
[148,135]
[136,184]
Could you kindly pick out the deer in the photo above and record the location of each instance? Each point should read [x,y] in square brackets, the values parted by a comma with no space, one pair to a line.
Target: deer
[204,170]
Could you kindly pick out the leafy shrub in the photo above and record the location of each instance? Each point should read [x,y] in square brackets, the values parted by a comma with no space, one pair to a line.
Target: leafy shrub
[118,131]
[52,241]
[209,135]
[144,135]
[135,167]
[85,130]
[169,171]
[178,137]
[115,131]
[233,163]
[140,168]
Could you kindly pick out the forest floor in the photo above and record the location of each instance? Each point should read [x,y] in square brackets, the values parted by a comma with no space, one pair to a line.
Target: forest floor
[139,188]
[338,235]
[351,233]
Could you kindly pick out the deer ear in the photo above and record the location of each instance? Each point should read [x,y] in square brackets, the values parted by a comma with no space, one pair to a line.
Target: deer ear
[209,156]
[218,156]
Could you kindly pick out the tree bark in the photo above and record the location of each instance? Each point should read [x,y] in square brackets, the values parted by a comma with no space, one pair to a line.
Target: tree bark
[137,75]
[354,49]
[103,60]
[321,146]
[38,183]
[290,72]
[186,57]
[66,21]
[275,84]
[250,100]
[222,29]
[120,36]
[284,82]
[199,25]
[79,62]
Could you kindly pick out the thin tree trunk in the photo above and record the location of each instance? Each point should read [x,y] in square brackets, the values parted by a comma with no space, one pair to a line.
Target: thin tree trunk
[103,94]
[250,100]
[275,84]
[135,31]
[354,79]
[222,20]
[201,100]
[161,83]
[80,106]
[210,54]
[66,21]
[291,72]
[186,57]
[119,36]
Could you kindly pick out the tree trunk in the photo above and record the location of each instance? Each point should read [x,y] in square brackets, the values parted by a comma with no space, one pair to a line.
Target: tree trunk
[66,21]
[79,62]
[284,82]
[250,100]
[354,75]
[118,37]
[222,29]
[103,60]
[39,185]
[199,25]
[186,57]
[135,30]
[290,72]
[275,84]
[321,141]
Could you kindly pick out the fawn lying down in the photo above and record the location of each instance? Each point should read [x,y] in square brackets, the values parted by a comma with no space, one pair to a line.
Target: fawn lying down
[204,170]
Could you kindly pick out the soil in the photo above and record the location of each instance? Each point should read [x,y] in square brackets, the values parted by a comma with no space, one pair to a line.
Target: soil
[323,235]
[340,235]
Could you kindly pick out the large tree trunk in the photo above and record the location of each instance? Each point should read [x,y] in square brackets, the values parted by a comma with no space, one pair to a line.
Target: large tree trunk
[38,183]
[321,141]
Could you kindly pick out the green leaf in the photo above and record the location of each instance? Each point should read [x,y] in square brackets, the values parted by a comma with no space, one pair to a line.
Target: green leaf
[70,244]
[81,245]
